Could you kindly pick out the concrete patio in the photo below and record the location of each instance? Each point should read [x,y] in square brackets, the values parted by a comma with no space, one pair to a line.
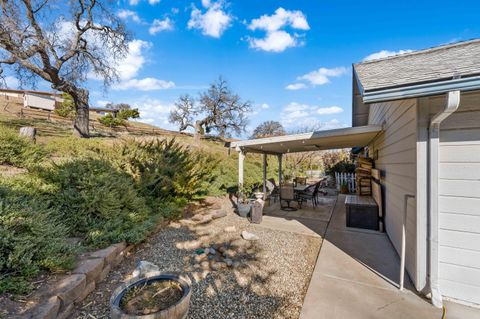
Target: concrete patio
[356,275]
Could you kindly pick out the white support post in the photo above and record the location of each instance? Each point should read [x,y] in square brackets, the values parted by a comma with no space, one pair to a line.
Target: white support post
[280,177]
[241,157]
[264,176]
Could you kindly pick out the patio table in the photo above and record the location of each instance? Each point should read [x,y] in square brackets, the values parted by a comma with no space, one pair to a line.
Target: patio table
[300,188]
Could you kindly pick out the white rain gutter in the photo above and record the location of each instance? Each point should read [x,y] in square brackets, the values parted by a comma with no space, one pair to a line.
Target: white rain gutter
[453,102]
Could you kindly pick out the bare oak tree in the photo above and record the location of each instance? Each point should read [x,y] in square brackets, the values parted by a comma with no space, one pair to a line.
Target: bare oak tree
[217,110]
[62,42]
[268,129]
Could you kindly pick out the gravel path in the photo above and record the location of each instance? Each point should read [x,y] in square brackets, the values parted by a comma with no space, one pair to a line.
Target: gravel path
[269,277]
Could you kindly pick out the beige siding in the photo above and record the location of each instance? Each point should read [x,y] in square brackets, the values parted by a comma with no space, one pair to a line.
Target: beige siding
[396,147]
[459,202]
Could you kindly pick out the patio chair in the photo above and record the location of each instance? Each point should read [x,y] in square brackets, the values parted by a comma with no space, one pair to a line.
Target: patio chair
[272,191]
[287,194]
[300,181]
[310,193]
[275,193]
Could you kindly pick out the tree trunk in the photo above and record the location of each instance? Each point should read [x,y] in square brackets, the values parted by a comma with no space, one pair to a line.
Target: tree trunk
[197,132]
[81,122]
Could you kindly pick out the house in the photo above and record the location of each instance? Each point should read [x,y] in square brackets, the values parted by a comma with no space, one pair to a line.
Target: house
[32,99]
[428,103]
[418,116]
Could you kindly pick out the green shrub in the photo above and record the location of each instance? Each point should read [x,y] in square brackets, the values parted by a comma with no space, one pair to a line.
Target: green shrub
[126,114]
[18,151]
[31,236]
[165,170]
[67,108]
[344,166]
[97,201]
[110,121]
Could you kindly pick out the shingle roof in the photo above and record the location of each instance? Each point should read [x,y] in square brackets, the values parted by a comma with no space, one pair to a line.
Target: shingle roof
[440,63]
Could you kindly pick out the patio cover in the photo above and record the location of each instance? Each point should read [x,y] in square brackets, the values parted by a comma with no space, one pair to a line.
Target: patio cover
[313,141]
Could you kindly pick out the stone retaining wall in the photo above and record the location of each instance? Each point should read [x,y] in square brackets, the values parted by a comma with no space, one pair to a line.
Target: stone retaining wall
[91,270]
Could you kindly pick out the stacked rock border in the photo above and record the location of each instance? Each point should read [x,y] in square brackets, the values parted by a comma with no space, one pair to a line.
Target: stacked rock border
[73,289]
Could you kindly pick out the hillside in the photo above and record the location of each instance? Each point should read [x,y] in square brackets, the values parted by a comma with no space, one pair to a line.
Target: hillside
[47,123]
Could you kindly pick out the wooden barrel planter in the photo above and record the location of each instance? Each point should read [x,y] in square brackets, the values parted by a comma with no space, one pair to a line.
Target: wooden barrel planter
[148,291]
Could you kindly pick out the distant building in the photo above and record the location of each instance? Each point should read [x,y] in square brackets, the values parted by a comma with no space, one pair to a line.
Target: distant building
[33,99]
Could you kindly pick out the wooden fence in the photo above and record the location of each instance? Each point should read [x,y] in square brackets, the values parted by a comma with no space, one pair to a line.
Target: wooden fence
[348,178]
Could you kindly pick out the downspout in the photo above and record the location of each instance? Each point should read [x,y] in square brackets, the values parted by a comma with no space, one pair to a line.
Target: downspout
[453,102]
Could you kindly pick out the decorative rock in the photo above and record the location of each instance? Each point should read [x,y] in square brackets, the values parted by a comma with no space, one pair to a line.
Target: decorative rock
[72,287]
[48,310]
[230,229]
[193,244]
[235,264]
[206,219]
[88,289]
[217,265]
[67,312]
[212,251]
[91,268]
[199,258]
[249,236]
[228,261]
[197,217]
[108,253]
[219,214]
[118,259]
[200,251]
[144,267]
[186,222]
[104,273]
[205,265]
[28,131]
[120,247]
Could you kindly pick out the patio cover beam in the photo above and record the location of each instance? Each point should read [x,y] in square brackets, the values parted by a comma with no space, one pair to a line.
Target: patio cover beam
[307,142]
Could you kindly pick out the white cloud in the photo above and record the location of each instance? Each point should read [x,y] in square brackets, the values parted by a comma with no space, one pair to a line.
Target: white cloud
[322,75]
[265,106]
[276,39]
[329,110]
[297,115]
[146,84]
[383,54]
[212,22]
[296,86]
[135,2]
[281,18]
[134,61]
[129,14]
[153,111]
[160,25]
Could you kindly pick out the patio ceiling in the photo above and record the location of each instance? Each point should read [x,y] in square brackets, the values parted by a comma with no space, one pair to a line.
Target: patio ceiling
[313,141]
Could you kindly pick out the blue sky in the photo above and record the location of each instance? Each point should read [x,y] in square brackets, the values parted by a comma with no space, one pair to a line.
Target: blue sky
[291,59]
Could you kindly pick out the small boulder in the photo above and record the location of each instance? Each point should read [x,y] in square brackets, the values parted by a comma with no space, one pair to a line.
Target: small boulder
[230,229]
[219,214]
[249,236]
[144,267]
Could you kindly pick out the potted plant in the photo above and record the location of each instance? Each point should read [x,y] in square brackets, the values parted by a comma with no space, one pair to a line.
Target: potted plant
[244,204]
[156,295]
[344,188]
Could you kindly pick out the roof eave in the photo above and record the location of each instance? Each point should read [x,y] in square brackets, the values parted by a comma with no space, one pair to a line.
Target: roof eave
[418,90]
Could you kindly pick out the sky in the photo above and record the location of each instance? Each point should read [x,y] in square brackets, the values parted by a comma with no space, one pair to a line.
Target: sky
[291,59]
